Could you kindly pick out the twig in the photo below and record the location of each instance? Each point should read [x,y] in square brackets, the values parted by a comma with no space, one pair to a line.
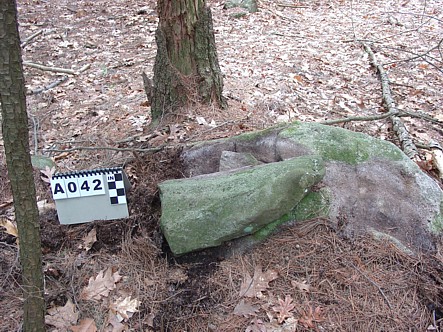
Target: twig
[79,148]
[36,126]
[56,69]
[416,14]
[421,56]
[421,115]
[291,6]
[407,144]
[423,11]
[46,68]
[401,114]
[291,36]
[373,283]
[31,37]
[357,118]
[47,87]
[280,15]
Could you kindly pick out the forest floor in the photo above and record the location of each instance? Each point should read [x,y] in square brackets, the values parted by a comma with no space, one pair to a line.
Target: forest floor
[290,61]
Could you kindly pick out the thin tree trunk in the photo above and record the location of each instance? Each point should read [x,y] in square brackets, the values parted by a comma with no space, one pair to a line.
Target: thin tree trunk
[16,142]
[186,66]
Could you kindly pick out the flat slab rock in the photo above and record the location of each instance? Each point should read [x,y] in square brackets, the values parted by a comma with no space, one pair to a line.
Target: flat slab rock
[205,211]
[369,185]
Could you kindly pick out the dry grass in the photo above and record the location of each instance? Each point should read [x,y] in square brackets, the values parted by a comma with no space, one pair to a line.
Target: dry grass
[359,284]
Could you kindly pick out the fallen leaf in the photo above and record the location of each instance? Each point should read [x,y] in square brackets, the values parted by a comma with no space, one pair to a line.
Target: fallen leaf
[298,78]
[158,140]
[90,239]
[61,156]
[256,325]
[309,317]
[284,309]
[5,204]
[86,325]
[44,206]
[10,227]
[290,325]
[101,285]
[303,286]
[48,172]
[437,159]
[124,308]
[113,324]
[253,287]
[150,319]
[245,309]
[201,121]
[62,317]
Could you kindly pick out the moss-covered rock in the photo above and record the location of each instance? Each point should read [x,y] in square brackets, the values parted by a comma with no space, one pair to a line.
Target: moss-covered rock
[205,211]
[369,184]
[338,144]
[249,5]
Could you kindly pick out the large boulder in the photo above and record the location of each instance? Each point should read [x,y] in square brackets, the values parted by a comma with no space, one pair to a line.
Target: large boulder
[207,210]
[370,185]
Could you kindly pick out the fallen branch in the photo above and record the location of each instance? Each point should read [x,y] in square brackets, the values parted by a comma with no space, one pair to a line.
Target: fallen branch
[280,15]
[357,118]
[56,69]
[47,87]
[401,131]
[419,115]
[291,6]
[80,148]
[31,37]
[423,56]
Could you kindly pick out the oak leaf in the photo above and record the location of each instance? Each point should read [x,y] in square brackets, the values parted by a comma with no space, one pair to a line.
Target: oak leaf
[48,172]
[303,286]
[289,325]
[284,309]
[124,308]
[86,325]
[255,286]
[62,317]
[245,309]
[44,206]
[101,285]
[90,239]
[311,316]
[113,324]
[10,227]
[256,325]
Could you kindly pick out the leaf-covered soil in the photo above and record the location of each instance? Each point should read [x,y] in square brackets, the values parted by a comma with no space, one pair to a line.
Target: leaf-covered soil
[290,61]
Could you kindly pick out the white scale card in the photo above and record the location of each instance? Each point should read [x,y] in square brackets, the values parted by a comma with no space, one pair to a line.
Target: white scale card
[90,195]
[71,186]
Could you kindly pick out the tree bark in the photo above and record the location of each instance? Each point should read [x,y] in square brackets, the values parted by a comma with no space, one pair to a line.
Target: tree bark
[20,172]
[186,66]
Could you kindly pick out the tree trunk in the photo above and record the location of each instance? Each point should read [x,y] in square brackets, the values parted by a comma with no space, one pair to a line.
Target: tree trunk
[186,66]
[15,136]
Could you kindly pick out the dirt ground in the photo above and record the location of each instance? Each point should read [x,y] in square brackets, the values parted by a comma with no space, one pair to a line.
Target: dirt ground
[290,61]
